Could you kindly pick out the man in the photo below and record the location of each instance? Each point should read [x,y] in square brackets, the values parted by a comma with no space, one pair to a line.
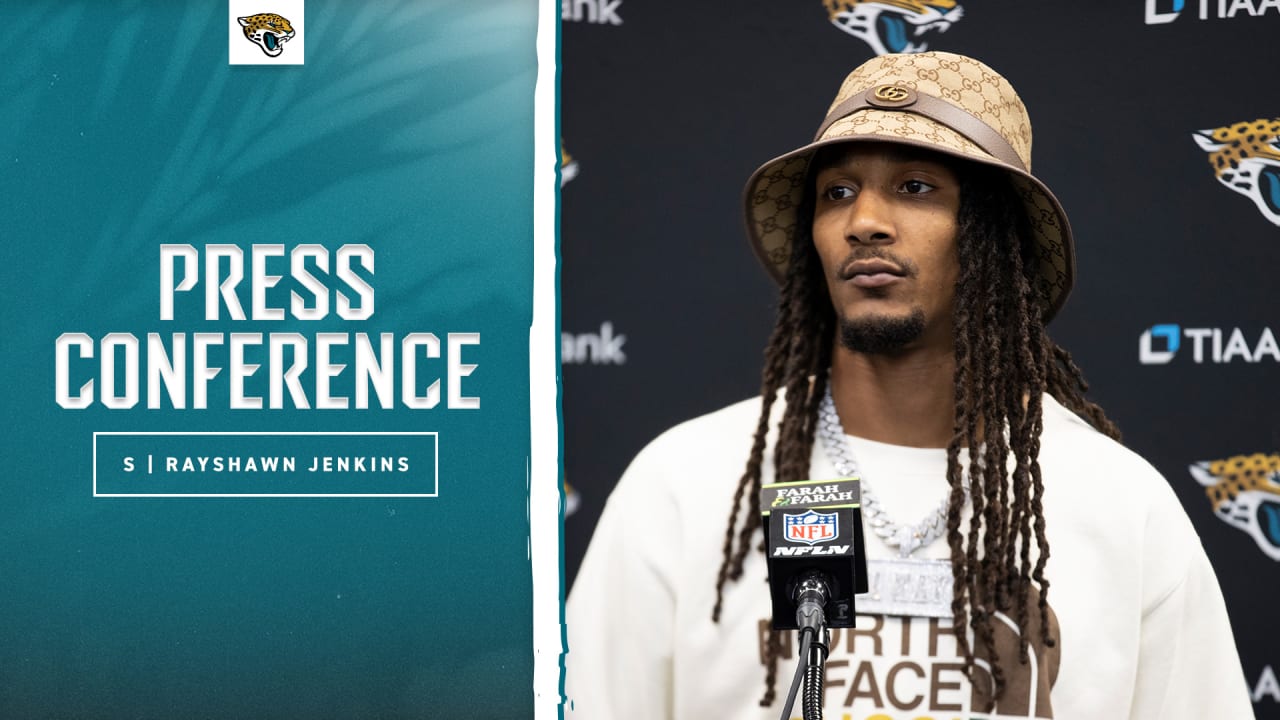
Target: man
[919,262]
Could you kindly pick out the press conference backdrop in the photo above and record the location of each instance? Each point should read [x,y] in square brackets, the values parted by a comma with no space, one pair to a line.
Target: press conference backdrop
[1156,124]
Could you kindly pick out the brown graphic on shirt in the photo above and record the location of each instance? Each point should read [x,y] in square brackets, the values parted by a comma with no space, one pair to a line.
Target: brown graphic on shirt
[1025,683]
[914,665]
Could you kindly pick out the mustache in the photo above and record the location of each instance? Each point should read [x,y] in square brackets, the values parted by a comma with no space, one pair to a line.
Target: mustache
[908,268]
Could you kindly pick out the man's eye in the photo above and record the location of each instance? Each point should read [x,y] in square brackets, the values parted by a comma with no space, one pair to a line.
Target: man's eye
[915,187]
[839,192]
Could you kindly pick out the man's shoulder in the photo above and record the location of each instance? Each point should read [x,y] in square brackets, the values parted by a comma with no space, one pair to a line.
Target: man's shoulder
[1071,442]
[731,419]
[703,444]
[1111,500]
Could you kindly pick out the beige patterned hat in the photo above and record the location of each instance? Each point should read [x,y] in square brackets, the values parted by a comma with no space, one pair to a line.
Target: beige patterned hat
[935,100]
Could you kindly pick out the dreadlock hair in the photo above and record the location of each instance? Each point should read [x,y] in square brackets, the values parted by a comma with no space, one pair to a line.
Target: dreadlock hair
[1004,362]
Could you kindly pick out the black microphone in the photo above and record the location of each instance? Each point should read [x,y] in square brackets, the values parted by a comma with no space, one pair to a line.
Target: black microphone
[816,557]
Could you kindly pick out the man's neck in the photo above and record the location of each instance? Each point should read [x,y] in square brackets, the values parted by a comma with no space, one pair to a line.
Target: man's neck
[906,399]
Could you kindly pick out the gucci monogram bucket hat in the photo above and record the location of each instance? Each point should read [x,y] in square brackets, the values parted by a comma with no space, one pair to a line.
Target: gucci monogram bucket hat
[939,101]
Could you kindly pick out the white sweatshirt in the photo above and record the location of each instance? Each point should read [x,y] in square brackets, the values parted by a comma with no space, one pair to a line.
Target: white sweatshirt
[1141,628]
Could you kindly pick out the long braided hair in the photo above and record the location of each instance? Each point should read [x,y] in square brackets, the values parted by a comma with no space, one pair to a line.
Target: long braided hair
[1004,362]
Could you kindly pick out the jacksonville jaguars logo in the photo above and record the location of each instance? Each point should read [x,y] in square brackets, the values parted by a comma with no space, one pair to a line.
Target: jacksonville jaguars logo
[268,31]
[568,166]
[1245,492]
[571,499]
[1246,158]
[893,26]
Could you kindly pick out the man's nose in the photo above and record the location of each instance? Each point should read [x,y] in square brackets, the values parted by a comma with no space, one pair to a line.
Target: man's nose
[870,218]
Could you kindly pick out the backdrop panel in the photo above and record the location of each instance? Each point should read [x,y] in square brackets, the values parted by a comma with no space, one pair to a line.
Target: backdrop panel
[1154,123]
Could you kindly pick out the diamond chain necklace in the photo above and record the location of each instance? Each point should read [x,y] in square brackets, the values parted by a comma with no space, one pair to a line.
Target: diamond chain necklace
[906,538]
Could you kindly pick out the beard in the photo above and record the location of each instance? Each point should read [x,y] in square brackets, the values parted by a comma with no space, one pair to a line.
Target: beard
[881,334]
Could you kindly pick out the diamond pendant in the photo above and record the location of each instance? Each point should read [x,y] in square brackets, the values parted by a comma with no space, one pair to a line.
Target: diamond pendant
[907,541]
[908,587]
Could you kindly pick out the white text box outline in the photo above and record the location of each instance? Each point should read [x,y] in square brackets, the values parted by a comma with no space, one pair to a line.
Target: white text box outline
[96,494]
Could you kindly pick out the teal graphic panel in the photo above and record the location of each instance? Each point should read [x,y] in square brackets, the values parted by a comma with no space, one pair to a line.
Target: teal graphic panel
[297,299]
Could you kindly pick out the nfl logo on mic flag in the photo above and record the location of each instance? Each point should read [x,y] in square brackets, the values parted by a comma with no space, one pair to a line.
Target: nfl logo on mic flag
[811,527]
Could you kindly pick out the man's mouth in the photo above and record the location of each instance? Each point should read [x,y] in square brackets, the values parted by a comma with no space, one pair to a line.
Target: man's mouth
[872,273]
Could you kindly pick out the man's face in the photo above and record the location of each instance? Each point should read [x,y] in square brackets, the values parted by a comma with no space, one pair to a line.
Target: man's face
[884,226]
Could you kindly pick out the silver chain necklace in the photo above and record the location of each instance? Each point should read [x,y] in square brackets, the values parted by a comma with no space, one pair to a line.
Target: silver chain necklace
[906,538]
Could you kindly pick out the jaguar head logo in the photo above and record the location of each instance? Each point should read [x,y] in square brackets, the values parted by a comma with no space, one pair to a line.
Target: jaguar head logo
[568,166]
[1246,158]
[1245,492]
[571,499]
[893,26]
[268,31]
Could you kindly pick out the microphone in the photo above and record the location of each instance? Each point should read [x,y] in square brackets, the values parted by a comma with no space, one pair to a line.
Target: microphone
[815,552]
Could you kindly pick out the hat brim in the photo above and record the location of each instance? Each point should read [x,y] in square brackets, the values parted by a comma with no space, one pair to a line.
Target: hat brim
[773,195]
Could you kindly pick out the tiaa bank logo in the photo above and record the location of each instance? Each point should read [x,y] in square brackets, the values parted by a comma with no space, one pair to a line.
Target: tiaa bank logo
[894,26]
[1245,157]
[596,12]
[1245,493]
[1159,12]
[602,348]
[1159,344]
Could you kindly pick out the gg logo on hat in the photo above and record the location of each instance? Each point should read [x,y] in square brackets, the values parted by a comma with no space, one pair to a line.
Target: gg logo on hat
[892,96]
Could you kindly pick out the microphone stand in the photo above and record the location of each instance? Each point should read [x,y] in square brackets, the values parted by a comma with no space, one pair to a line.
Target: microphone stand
[810,595]
[814,674]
